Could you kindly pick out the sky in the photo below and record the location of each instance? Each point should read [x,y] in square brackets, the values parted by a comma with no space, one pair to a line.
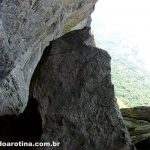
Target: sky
[128,18]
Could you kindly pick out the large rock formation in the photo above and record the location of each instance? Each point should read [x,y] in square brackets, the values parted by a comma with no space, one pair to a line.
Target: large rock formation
[26,27]
[70,97]
[72,85]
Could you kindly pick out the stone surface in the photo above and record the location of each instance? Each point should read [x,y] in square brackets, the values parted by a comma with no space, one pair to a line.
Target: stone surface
[72,84]
[26,27]
[141,113]
[139,129]
[71,97]
[137,121]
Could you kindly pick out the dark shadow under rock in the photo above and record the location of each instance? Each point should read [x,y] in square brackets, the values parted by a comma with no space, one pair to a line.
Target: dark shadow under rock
[143,145]
[26,127]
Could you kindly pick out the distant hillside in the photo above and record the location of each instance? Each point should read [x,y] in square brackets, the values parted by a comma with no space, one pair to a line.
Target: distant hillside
[121,103]
[131,79]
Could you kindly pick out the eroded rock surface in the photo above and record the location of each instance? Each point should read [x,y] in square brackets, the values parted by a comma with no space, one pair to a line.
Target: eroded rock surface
[137,120]
[141,113]
[73,97]
[72,85]
[26,27]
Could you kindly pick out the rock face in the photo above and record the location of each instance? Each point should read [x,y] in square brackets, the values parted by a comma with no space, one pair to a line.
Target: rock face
[67,84]
[26,27]
[141,113]
[72,85]
[137,121]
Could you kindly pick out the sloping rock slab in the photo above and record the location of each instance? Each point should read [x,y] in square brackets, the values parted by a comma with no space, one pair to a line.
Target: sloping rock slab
[137,121]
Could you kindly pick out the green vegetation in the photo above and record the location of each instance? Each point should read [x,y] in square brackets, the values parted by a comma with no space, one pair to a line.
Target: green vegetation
[131,79]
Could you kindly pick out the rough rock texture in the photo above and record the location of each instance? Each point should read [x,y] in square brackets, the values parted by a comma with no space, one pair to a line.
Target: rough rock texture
[141,113]
[71,98]
[72,85]
[26,27]
[137,120]
[139,129]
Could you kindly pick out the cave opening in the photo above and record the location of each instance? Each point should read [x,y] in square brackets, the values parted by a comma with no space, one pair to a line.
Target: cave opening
[25,127]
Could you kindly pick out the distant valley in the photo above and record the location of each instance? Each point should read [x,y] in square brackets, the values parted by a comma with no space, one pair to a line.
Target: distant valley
[129,74]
